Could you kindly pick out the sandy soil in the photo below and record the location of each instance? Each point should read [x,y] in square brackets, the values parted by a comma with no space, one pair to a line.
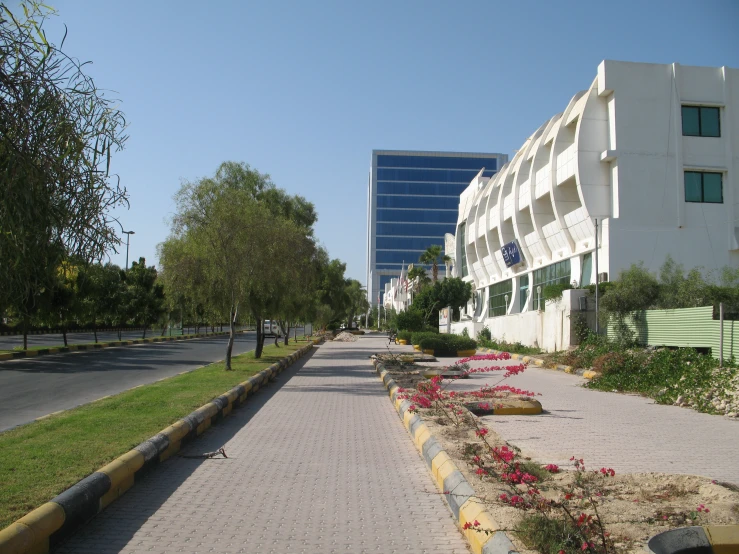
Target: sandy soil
[633,508]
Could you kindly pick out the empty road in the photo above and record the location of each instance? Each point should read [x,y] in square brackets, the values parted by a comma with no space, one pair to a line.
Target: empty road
[34,387]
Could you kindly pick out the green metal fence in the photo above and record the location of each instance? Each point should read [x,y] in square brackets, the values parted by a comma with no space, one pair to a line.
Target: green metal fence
[694,327]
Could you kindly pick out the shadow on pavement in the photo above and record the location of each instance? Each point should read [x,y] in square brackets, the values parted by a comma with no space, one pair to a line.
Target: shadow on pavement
[141,502]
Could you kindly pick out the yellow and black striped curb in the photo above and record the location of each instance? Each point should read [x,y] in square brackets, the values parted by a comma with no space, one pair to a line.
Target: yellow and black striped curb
[100,345]
[708,539]
[45,526]
[588,374]
[459,495]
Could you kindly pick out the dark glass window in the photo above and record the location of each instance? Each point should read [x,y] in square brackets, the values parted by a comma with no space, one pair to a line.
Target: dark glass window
[704,187]
[554,274]
[523,291]
[393,256]
[497,304]
[387,160]
[463,249]
[587,269]
[415,229]
[424,202]
[389,266]
[406,243]
[432,175]
[417,216]
[414,189]
[701,121]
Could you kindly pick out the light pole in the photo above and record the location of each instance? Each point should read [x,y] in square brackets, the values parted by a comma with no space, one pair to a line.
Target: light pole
[128,237]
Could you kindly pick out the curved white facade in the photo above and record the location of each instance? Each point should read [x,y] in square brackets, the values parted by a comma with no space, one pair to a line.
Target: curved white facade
[618,153]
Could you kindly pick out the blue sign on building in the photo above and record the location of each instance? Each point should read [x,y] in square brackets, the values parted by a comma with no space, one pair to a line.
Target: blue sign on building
[511,253]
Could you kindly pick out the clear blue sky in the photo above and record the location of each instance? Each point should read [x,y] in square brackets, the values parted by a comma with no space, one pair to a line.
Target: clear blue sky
[305,90]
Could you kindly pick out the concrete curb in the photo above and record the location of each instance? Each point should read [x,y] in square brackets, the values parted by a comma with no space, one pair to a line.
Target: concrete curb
[44,527]
[588,374]
[83,347]
[459,495]
[717,539]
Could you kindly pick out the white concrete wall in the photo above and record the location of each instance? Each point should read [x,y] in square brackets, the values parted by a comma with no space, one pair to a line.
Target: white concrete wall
[549,330]
[616,154]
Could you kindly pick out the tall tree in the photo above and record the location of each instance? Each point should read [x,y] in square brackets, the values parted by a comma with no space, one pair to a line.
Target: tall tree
[357,302]
[244,235]
[57,133]
[432,256]
[146,295]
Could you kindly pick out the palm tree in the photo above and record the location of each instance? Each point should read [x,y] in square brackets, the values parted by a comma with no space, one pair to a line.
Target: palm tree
[419,272]
[432,256]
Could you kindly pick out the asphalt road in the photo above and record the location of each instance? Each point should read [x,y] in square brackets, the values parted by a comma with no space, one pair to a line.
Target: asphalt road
[31,388]
[12,341]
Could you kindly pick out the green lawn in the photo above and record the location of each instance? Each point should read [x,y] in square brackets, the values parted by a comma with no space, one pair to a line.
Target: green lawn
[42,459]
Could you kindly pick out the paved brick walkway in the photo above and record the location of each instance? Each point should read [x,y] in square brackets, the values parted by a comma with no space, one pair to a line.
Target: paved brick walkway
[318,463]
[629,433]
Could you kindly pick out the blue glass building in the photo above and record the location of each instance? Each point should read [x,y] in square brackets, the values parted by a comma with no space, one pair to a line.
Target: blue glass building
[413,200]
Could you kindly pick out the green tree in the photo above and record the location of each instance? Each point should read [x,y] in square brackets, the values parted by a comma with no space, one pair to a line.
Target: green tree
[356,301]
[432,256]
[57,133]
[244,237]
[419,272]
[145,294]
[450,292]
[635,289]
[99,287]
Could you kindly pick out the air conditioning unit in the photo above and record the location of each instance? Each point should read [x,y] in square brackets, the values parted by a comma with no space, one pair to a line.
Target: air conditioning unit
[602,277]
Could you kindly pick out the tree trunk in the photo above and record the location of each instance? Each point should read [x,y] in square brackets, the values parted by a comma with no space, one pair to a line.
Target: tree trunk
[25,333]
[144,335]
[95,327]
[260,339]
[231,336]
[64,334]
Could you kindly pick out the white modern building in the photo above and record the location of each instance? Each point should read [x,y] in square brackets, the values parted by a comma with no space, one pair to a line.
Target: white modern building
[649,151]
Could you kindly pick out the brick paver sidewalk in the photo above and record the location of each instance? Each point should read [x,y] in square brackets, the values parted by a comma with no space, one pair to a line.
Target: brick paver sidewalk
[629,433]
[318,463]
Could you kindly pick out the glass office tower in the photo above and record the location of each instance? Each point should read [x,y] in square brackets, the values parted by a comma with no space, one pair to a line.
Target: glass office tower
[413,200]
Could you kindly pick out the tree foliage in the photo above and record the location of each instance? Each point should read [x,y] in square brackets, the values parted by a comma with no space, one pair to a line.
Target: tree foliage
[239,243]
[57,133]
[432,256]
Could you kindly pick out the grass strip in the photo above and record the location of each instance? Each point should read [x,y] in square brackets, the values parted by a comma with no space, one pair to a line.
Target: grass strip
[40,460]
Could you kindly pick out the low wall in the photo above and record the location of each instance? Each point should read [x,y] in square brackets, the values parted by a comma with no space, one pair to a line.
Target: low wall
[550,330]
[685,327]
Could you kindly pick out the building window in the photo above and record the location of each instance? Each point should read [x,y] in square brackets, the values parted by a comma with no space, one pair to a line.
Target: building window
[703,187]
[523,291]
[500,293]
[463,250]
[701,121]
[587,269]
[555,274]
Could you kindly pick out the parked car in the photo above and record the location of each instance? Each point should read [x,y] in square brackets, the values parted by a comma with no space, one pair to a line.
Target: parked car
[270,327]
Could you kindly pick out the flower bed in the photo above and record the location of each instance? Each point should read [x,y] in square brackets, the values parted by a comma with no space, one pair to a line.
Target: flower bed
[554,509]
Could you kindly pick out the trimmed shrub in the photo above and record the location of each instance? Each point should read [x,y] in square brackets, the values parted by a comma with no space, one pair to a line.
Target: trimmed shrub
[437,344]
[418,335]
[463,343]
[404,335]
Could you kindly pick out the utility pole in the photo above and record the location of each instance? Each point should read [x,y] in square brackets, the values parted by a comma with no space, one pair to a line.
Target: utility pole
[597,327]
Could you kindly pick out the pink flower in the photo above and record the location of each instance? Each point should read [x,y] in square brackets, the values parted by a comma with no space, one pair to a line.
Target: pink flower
[481,432]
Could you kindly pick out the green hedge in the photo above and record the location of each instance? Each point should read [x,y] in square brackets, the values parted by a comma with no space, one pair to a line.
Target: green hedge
[447,345]
[404,335]
[419,335]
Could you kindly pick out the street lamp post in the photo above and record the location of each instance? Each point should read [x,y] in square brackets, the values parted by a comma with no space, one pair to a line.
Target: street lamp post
[128,237]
